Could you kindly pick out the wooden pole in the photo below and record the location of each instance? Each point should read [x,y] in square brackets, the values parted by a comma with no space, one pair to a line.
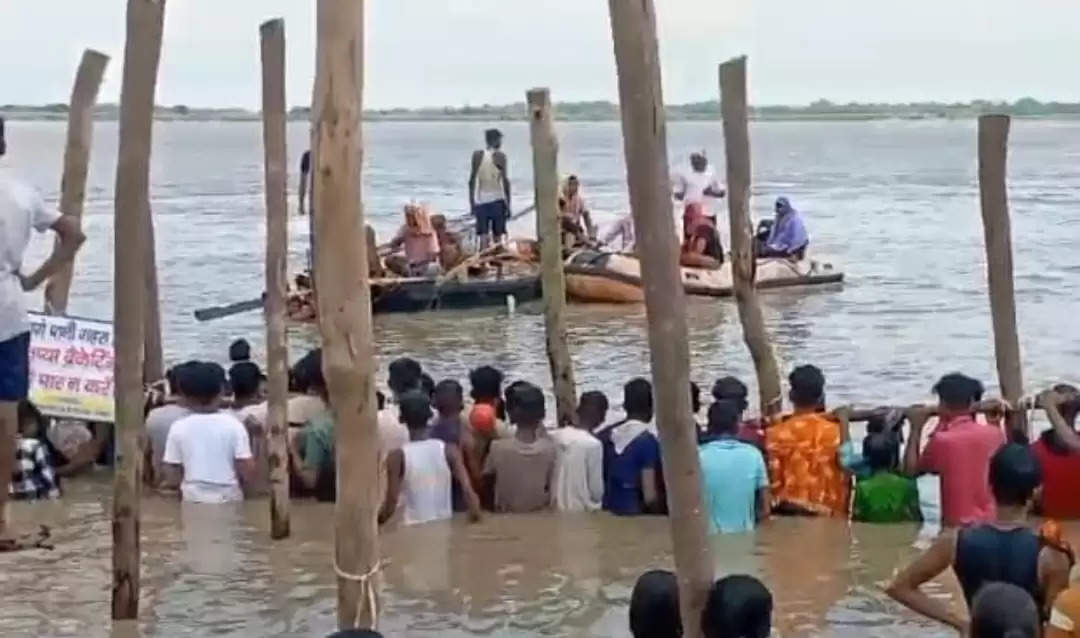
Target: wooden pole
[548,228]
[637,58]
[154,359]
[344,302]
[142,52]
[737,155]
[272,39]
[80,135]
[994,199]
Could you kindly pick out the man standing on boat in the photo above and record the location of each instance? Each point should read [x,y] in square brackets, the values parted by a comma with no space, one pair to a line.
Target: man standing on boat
[692,187]
[21,210]
[489,190]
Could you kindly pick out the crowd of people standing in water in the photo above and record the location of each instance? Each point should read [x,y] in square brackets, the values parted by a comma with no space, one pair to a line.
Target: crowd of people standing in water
[428,246]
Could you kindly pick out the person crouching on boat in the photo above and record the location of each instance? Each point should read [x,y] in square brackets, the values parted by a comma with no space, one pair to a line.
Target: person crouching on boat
[692,188]
[702,249]
[420,242]
[788,237]
[577,226]
[451,252]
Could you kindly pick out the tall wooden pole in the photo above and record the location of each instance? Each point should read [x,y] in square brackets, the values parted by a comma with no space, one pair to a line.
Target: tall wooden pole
[737,154]
[637,58]
[142,51]
[80,135]
[344,302]
[994,199]
[153,358]
[548,228]
[272,39]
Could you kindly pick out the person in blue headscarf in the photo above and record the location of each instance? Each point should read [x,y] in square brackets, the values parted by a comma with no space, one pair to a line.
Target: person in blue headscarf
[788,237]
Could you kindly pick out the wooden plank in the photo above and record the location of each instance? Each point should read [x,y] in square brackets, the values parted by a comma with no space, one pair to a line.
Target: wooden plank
[275,161]
[994,200]
[549,230]
[737,154]
[344,301]
[80,136]
[637,58]
[142,52]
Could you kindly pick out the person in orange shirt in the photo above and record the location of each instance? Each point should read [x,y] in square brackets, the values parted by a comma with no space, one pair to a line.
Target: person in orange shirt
[805,472]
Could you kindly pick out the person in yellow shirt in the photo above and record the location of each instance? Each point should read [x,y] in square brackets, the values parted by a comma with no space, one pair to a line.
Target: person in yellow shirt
[803,450]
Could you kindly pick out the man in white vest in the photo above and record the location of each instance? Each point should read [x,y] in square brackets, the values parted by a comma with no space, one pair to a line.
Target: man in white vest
[489,190]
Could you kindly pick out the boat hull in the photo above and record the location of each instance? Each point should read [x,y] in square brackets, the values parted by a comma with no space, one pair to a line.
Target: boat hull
[599,277]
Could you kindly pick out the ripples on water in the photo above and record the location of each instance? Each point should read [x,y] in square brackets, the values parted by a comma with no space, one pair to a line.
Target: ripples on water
[895,204]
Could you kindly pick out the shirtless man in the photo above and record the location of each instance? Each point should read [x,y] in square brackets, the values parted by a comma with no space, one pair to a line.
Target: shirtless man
[489,190]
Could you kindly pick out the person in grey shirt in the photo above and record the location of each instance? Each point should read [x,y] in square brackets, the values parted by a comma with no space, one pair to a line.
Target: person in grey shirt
[160,420]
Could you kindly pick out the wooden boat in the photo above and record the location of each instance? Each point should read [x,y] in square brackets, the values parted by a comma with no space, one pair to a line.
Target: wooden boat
[604,277]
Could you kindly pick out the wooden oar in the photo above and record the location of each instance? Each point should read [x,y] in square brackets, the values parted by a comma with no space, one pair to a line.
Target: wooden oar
[217,312]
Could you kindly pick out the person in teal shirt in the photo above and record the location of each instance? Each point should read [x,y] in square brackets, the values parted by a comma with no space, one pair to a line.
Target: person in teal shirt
[735,484]
[886,496]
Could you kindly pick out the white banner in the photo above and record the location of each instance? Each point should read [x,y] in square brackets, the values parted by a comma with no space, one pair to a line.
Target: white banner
[71,367]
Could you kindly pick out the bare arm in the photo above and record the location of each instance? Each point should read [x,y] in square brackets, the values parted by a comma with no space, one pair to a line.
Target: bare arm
[764,504]
[308,477]
[476,157]
[1053,575]
[245,469]
[457,468]
[395,471]
[71,238]
[905,587]
[504,165]
[649,493]
[171,476]
[590,229]
[1051,401]
[917,416]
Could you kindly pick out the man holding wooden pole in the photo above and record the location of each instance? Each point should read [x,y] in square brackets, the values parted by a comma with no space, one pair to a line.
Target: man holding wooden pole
[737,152]
[994,200]
[345,304]
[142,52]
[272,39]
[549,230]
[637,58]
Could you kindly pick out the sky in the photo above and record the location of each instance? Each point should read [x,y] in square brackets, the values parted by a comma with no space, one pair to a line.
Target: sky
[455,52]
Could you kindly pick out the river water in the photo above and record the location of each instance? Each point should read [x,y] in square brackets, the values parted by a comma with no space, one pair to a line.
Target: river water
[894,204]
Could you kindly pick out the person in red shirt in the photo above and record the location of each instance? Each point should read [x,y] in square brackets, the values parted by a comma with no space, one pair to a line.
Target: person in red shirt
[959,451]
[1058,451]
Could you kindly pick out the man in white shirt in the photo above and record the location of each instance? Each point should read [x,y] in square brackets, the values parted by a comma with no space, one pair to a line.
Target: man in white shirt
[21,209]
[579,470]
[208,453]
[693,187]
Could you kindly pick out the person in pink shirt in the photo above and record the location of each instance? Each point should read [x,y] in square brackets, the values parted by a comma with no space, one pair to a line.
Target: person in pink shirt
[959,451]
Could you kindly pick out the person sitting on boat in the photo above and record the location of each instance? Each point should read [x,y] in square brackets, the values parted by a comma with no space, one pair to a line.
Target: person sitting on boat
[692,187]
[419,240]
[573,213]
[450,251]
[702,249]
[788,237]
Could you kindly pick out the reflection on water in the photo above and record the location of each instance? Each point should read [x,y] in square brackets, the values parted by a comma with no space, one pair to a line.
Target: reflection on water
[893,204]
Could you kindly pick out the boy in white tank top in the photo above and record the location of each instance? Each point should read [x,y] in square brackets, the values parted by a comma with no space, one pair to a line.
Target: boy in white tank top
[419,474]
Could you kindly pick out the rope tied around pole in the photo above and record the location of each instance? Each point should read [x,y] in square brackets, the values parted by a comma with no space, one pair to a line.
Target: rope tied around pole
[367,590]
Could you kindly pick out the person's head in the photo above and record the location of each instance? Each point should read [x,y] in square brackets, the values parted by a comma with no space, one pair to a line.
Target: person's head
[699,162]
[412,215]
[449,398]
[695,398]
[1003,610]
[572,185]
[724,418]
[239,350]
[414,410]
[527,408]
[438,223]
[731,389]
[427,385]
[32,422]
[638,399]
[1015,474]
[654,606]
[356,633]
[1070,409]
[486,384]
[957,394]
[3,139]
[404,374]
[204,384]
[738,606]
[245,379]
[509,395]
[309,373]
[176,377]
[881,450]
[493,138]
[783,206]
[592,409]
[807,387]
